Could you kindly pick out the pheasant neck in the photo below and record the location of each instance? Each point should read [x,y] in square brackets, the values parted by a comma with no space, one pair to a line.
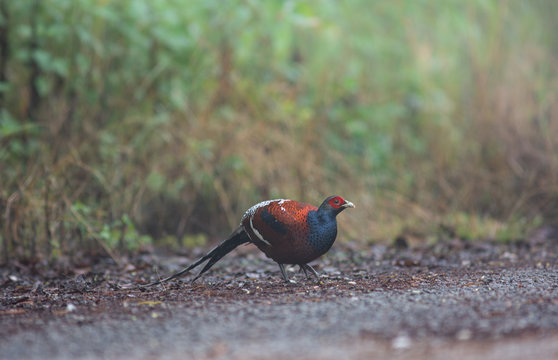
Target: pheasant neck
[322,230]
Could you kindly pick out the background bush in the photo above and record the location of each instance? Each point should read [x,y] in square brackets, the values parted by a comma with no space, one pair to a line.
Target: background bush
[126,123]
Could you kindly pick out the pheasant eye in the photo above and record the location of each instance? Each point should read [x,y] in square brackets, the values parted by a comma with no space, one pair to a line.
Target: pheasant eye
[336,202]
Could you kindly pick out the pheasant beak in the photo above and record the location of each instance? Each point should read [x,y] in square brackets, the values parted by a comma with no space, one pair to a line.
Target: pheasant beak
[348,204]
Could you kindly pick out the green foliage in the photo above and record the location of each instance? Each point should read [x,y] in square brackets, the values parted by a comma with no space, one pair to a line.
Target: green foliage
[194,240]
[11,134]
[472,227]
[120,233]
[123,230]
[125,118]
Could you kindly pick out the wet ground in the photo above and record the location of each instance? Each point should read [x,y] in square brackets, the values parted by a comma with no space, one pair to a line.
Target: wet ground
[453,300]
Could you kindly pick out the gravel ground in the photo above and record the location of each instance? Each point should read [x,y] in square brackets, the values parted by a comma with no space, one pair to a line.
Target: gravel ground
[483,301]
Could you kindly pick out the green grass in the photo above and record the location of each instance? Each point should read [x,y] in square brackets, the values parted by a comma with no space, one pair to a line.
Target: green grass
[131,122]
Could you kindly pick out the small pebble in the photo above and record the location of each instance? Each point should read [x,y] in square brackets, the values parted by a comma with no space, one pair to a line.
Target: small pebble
[401,342]
[464,334]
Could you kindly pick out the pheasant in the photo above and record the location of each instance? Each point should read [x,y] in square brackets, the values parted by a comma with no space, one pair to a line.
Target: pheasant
[287,231]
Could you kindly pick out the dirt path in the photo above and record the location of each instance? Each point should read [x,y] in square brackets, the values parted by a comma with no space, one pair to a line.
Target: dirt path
[499,302]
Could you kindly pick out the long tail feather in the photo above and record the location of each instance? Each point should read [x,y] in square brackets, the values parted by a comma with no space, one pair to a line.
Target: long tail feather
[237,238]
[223,249]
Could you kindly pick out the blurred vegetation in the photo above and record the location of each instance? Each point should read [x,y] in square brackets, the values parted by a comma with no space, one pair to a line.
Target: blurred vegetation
[130,123]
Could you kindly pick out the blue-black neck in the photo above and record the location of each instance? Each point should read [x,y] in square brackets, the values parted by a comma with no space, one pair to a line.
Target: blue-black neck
[323,229]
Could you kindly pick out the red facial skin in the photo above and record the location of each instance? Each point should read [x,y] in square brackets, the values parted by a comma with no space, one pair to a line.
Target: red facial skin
[336,202]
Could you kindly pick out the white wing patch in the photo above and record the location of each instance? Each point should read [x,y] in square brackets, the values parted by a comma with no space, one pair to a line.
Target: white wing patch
[257,232]
[280,203]
[254,208]
[250,213]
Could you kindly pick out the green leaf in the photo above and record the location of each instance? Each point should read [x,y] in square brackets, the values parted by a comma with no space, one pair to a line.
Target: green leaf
[156,181]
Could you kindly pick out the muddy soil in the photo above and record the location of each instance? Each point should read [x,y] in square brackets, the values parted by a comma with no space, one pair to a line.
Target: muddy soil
[453,300]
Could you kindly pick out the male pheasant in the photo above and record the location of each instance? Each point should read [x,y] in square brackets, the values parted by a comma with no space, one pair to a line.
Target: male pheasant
[287,231]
